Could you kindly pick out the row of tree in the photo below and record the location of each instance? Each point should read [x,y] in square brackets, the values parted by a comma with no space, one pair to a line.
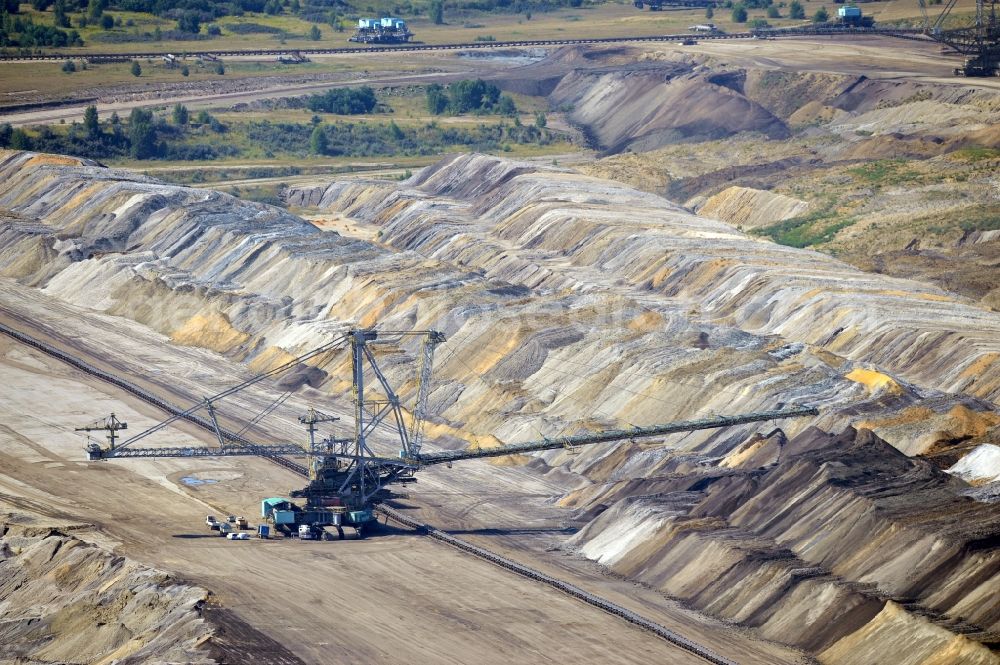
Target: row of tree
[145,136]
[795,11]
[24,32]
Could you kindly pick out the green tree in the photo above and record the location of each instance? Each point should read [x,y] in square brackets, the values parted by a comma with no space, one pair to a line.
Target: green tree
[315,34]
[220,69]
[11,6]
[203,117]
[5,133]
[773,12]
[506,106]
[540,120]
[180,115]
[739,13]
[796,11]
[189,22]
[395,131]
[91,123]
[141,134]
[709,12]
[476,96]
[318,143]
[821,16]
[185,71]
[19,140]
[437,99]
[41,5]
[95,8]
[59,17]
[136,68]
[157,34]
[437,12]
[69,67]
[107,22]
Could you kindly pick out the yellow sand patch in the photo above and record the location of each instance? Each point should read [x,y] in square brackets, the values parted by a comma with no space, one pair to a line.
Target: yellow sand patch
[914,414]
[646,322]
[488,358]
[210,331]
[54,160]
[922,641]
[935,297]
[966,422]
[981,365]
[269,358]
[814,112]
[434,430]
[874,381]
[510,460]
[741,455]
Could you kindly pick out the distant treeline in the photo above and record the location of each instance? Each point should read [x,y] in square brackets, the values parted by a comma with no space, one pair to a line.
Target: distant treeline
[202,138]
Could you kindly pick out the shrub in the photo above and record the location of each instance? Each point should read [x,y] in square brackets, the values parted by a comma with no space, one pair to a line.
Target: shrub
[343,101]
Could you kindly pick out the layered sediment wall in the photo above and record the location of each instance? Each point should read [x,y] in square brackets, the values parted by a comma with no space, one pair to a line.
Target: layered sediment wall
[572,303]
[67,601]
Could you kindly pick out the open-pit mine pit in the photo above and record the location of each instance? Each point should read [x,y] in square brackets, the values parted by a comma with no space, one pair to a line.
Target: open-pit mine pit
[869,533]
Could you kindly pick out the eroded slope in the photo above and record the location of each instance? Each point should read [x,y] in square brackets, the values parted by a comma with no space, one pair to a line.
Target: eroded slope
[574,303]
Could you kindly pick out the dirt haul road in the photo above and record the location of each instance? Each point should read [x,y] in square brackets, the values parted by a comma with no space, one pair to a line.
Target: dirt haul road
[203,101]
[396,596]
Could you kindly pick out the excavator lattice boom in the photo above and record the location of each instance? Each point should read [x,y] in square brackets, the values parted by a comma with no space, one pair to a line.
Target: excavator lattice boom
[347,478]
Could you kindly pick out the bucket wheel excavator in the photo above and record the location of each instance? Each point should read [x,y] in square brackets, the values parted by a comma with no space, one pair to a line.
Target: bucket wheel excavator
[978,42]
[347,477]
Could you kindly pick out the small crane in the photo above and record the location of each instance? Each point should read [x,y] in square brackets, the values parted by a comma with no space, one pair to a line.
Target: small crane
[111,424]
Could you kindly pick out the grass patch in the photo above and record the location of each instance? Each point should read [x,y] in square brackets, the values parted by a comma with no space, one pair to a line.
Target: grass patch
[980,218]
[807,230]
[884,172]
[976,154]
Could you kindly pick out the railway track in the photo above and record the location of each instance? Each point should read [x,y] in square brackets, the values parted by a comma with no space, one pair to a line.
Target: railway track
[902,33]
[487,555]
